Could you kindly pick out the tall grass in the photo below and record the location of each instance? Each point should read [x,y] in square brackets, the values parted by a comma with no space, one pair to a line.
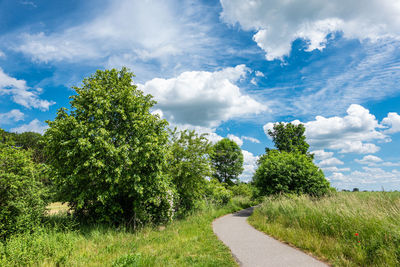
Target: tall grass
[188,242]
[346,229]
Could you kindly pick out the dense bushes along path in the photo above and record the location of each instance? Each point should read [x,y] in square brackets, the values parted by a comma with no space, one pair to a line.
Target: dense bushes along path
[253,248]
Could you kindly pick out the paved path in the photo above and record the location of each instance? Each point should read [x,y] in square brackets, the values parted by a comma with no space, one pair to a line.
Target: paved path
[252,248]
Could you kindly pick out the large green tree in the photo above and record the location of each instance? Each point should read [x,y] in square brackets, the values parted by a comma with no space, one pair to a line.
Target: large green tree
[289,137]
[189,166]
[227,161]
[109,150]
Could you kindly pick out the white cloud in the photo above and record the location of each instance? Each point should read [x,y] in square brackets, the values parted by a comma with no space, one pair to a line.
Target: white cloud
[369,178]
[335,169]
[322,154]
[369,159]
[21,93]
[202,98]
[2,55]
[330,162]
[251,139]
[235,139]
[279,23]
[393,121]
[11,116]
[259,73]
[131,33]
[249,165]
[349,134]
[33,126]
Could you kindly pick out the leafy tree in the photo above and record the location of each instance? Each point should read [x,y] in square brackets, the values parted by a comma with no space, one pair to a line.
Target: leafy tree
[33,141]
[109,151]
[289,172]
[189,166]
[289,137]
[22,196]
[227,161]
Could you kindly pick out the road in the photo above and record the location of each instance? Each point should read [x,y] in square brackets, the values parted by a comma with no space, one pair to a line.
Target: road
[252,248]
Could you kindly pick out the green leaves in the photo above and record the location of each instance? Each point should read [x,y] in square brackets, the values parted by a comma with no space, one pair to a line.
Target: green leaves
[227,161]
[109,152]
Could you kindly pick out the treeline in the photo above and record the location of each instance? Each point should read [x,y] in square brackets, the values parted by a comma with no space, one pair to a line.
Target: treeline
[115,162]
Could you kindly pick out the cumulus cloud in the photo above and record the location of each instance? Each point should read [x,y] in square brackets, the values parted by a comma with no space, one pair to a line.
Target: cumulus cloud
[251,139]
[367,178]
[21,93]
[203,98]
[352,133]
[392,121]
[249,165]
[369,159]
[259,74]
[330,162]
[322,154]
[278,23]
[11,116]
[335,169]
[33,126]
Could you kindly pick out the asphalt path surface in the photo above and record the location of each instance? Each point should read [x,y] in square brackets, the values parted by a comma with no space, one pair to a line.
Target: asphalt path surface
[251,247]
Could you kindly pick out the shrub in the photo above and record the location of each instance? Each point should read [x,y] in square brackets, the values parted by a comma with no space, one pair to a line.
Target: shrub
[22,195]
[243,189]
[216,193]
[289,172]
[109,152]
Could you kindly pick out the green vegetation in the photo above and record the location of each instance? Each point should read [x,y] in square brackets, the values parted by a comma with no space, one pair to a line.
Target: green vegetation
[189,166]
[289,172]
[108,154]
[346,229]
[290,167]
[22,201]
[189,242]
[227,161]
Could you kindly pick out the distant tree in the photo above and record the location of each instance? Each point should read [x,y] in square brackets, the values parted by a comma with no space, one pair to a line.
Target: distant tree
[109,152]
[189,166]
[355,189]
[289,172]
[33,141]
[227,161]
[289,137]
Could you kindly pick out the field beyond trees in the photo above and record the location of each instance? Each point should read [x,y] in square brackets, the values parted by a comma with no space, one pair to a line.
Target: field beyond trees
[344,229]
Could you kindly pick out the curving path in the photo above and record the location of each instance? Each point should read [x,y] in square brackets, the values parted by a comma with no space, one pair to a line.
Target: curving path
[253,248]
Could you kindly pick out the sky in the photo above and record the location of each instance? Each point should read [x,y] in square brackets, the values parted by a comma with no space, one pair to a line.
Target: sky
[230,68]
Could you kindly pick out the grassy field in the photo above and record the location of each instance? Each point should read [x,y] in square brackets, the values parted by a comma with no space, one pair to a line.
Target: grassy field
[345,229]
[188,242]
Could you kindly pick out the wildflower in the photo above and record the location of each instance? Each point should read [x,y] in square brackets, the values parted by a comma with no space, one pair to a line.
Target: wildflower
[356,234]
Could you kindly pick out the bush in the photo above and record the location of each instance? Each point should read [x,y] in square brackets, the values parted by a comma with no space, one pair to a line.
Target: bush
[216,193]
[109,153]
[289,172]
[243,189]
[22,195]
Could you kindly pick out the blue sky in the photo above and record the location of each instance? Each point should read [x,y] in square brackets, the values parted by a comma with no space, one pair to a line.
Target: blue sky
[228,68]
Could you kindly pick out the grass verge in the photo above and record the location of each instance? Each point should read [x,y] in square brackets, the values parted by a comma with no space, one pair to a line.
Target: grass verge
[345,229]
[188,242]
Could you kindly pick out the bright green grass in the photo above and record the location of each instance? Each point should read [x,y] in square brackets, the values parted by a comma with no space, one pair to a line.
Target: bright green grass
[188,242]
[327,227]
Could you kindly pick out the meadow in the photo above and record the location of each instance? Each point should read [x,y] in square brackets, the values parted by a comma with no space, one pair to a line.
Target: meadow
[62,242]
[343,229]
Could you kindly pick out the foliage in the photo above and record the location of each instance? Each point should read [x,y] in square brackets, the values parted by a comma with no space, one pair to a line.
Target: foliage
[227,161]
[32,141]
[22,195]
[188,166]
[345,229]
[244,189]
[188,242]
[284,172]
[109,151]
[217,193]
[289,137]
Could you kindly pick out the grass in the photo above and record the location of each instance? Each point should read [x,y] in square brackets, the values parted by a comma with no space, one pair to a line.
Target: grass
[188,242]
[344,229]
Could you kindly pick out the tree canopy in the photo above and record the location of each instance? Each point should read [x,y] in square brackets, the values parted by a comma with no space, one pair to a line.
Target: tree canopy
[109,151]
[227,161]
[289,137]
